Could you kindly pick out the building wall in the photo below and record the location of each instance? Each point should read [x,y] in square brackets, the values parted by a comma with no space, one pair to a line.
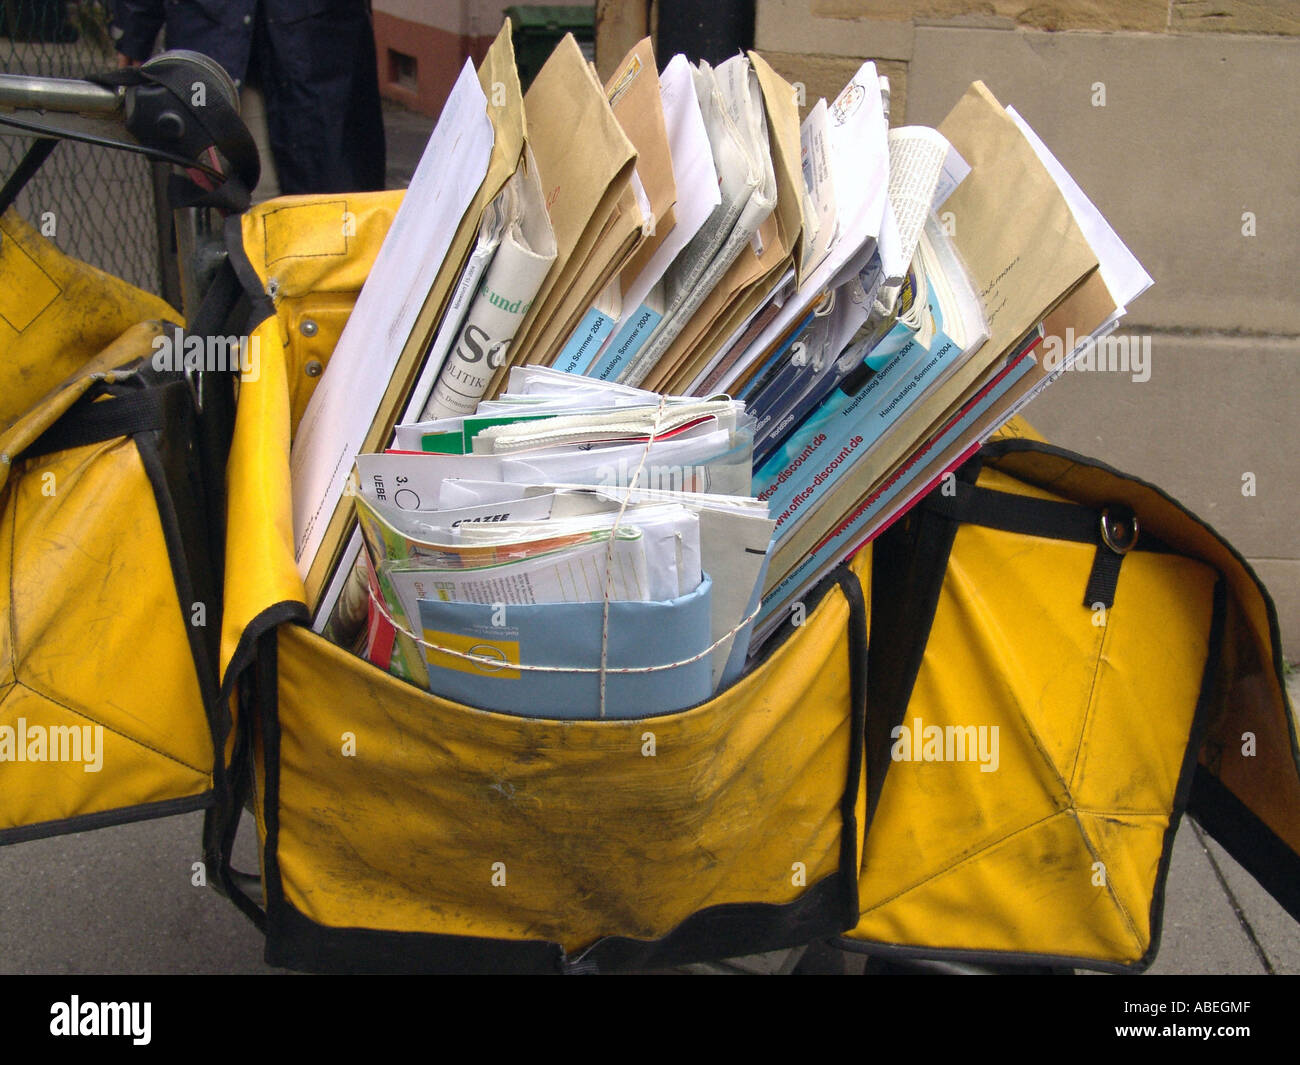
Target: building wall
[1178,118]
[436,36]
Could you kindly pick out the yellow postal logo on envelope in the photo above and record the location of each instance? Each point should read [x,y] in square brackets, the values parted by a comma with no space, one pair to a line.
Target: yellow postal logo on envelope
[503,653]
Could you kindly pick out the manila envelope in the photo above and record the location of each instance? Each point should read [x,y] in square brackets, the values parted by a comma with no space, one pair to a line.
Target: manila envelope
[638,107]
[585,161]
[783,135]
[634,95]
[617,241]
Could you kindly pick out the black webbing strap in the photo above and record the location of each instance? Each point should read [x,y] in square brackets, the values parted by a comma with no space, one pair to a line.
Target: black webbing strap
[221,823]
[1103,579]
[1030,516]
[1012,513]
[92,420]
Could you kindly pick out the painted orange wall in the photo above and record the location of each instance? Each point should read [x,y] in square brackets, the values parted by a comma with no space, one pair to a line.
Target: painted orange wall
[439,54]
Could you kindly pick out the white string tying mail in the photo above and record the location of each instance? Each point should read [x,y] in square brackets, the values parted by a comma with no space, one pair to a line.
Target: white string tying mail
[604,668]
[496,663]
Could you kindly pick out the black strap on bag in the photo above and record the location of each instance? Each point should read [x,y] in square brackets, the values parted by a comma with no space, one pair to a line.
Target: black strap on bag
[908,564]
[257,698]
[94,419]
[139,405]
[222,311]
[1114,530]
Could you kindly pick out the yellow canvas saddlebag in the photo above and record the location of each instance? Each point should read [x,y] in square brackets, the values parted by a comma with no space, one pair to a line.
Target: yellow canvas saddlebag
[109,602]
[403,831]
[1047,699]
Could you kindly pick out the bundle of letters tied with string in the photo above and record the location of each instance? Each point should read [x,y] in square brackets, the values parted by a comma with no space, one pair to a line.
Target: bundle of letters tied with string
[641,362]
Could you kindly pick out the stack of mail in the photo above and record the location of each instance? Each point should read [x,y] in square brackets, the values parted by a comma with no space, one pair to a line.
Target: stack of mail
[582,527]
[614,325]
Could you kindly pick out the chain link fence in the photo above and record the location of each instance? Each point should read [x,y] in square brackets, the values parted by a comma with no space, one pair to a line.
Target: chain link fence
[96,204]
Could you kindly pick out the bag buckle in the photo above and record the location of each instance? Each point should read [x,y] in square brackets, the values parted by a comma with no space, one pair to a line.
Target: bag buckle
[1119,528]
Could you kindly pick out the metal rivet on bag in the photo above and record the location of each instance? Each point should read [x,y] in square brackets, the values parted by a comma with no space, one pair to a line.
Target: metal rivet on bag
[313,368]
[308,328]
[1119,529]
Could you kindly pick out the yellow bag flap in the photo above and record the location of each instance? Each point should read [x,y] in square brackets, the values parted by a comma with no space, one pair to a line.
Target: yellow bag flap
[308,245]
[1250,695]
[260,569]
[310,255]
[135,343]
[100,707]
[1031,780]
[56,315]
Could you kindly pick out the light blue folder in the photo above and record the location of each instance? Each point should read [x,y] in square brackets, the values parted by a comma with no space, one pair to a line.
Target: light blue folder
[586,342]
[568,634]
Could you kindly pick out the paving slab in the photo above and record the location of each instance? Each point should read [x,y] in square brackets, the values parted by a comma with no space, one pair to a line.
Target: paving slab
[1201,933]
[121,900]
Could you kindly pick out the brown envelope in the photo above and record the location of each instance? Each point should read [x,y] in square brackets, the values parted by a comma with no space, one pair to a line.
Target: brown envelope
[588,274]
[633,93]
[585,161]
[783,134]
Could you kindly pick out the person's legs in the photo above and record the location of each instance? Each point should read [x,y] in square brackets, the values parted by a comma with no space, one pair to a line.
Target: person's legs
[322,99]
[252,109]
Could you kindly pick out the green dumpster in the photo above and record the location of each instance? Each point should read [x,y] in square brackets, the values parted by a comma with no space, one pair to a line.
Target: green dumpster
[537,30]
